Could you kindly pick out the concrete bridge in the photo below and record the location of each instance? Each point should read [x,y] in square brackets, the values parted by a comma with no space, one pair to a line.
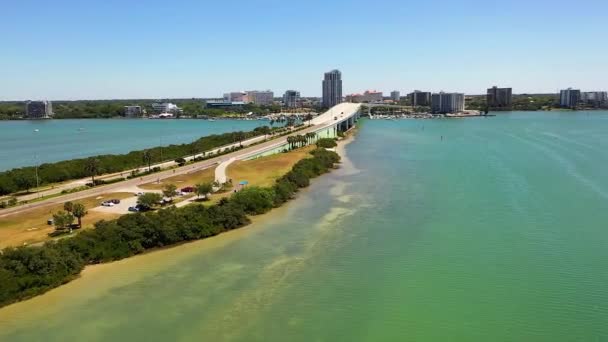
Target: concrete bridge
[337,119]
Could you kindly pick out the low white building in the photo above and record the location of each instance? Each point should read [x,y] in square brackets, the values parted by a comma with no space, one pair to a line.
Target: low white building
[166,107]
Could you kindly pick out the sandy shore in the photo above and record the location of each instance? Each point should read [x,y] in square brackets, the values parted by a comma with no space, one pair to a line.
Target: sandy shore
[95,280]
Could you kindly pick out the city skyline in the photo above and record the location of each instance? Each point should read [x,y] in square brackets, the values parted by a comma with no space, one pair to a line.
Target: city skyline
[75,51]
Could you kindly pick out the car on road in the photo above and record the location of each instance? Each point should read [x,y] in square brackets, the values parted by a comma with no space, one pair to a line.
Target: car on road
[187,189]
[115,201]
[138,208]
[138,193]
[107,204]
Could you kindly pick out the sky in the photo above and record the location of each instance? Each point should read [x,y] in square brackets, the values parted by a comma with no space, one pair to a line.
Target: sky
[111,49]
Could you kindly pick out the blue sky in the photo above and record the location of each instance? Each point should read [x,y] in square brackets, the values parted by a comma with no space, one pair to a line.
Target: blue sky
[154,49]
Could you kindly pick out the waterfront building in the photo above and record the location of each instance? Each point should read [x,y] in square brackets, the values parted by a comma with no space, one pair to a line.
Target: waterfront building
[133,111]
[443,103]
[38,109]
[235,96]
[369,96]
[166,107]
[258,97]
[220,104]
[569,98]
[595,98]
[332,88]
[420,98]
[395,95]
[291,99]
[499,98]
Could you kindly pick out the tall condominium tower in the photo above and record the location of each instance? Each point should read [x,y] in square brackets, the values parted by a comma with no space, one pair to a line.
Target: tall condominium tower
[332,88]
[499,98]
[447,103]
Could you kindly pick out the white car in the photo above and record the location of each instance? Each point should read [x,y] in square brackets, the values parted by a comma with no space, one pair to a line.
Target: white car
[107,204]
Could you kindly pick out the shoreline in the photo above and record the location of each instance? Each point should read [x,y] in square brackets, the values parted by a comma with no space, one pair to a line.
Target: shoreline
[89,272]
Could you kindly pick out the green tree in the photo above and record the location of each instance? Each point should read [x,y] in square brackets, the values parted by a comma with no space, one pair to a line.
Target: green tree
[169,190]
[68,206]
[326,143]
[203,189]
[147,159]
[24,182]
[310,137]
[240,136]
[79,211]
[92,168]
[291,141]
[149,200]
[308,118]
[63,220]
[254,200]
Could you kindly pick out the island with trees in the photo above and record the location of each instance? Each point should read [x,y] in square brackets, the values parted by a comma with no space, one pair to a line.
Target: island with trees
[30,271]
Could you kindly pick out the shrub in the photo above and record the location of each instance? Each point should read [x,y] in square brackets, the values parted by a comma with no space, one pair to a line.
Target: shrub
[254,200]
[326,143]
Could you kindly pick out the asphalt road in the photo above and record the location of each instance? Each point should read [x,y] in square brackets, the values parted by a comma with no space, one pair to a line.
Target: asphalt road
[322,121]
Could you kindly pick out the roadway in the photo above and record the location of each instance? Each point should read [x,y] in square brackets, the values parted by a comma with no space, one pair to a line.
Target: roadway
[336,114]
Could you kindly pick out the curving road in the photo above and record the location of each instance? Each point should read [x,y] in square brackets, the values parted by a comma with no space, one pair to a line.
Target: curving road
[327,119]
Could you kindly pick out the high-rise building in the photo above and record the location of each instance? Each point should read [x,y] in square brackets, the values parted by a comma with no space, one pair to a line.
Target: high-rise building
[291,99]
[133,111]
[499,98]
[595,98]
[395,95]
[332,88]
[420,98]
[443,103]
[569,98]
[38,109]
[265,97]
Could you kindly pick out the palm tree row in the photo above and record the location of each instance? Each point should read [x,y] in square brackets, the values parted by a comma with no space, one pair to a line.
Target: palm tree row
[296,141]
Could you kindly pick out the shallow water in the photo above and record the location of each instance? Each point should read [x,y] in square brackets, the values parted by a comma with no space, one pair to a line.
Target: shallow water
[497,232]
[58,140]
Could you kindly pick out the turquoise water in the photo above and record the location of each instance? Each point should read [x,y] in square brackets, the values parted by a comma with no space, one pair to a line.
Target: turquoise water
[58,140]
[497,232]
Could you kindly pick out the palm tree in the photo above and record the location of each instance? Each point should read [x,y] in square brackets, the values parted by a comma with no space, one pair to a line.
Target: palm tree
[147,159]
[308,118]
[79,211]
[240,136]
[92,168]
[290,141]
[310,137]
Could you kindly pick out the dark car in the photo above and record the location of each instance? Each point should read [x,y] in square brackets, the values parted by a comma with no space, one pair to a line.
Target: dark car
[188,189]
[115,201]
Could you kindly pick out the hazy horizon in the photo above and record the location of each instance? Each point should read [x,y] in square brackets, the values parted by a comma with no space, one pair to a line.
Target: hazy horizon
[69,50]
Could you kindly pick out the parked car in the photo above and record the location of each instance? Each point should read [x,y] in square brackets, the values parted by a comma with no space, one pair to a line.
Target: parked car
[50,222]
[187,189]
[115,201]
[139,193]
[107,204]
[134,209]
